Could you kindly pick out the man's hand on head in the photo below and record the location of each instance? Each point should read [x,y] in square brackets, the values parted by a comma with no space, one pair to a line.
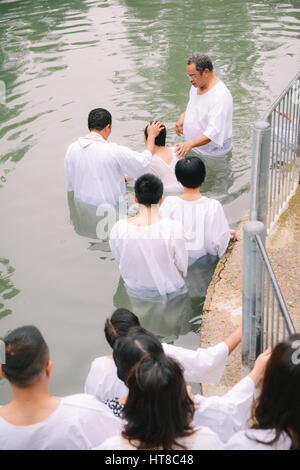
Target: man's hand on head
[154,129]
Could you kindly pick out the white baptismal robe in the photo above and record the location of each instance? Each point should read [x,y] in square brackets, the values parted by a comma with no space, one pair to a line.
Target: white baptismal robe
[166,172]
[79,423]
[201,365]
[150,257]
[204,222]
[94,169]
[202,439]
[210,114]
[247,440]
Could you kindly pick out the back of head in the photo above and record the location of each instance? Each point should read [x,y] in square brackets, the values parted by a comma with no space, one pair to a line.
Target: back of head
[148,189]
[160,140]
[26,356]
[201,61]
[278,406]
[158,409]
[129,349]
[98,119]
[190,172]
[119,324]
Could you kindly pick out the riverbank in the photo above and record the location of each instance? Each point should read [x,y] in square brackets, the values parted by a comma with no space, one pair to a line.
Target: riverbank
[222,311]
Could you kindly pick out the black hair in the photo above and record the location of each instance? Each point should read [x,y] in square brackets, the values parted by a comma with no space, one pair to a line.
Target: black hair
[160,140]
[190,172]
[201,61]
[129,349]
[98,119]
[148,189]
[158,409]
[119,324]
[278,406]
[26,356]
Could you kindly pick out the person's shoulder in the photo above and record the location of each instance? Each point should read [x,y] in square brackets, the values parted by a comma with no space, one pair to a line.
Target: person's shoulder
[222,90]
[172,201]
[112,443]
[83,401]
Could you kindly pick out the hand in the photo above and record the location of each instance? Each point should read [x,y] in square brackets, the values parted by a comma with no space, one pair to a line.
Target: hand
[183,149]
[258,371]
[234,235]
[179,125]
[154,129]
[191,396]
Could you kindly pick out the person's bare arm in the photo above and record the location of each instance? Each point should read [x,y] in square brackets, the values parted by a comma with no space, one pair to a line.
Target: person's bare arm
[183,148]
[258,371]
[179,124]
[233,340]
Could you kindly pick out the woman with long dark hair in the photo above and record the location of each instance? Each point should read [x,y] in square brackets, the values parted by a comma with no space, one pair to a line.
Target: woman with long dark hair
[276,414]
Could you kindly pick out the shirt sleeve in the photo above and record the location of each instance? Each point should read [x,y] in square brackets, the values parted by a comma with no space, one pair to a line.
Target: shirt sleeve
[229,413]
[203,365]
[134,164]
[68,173]
[179,248]
[114,242]
[220,232]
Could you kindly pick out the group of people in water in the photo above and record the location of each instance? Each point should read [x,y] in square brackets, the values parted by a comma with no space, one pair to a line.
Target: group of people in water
[138,397]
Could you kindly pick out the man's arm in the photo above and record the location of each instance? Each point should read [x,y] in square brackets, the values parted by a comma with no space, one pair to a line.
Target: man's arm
[233,340]
[183,148]
[179,124]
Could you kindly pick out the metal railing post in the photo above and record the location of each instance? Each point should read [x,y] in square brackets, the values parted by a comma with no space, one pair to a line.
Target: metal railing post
[260,171]
[253,294]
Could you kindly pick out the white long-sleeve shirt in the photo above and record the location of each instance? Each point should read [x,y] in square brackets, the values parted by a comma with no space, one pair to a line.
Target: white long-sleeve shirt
[247,440]
[94,169]
[205,225]
[204,365]
[150,257]
[79,423]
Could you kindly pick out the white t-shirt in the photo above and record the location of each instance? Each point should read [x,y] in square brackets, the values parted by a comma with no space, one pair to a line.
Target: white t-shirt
[165,172]
[210,114]
[202,439]
[79,423]
[150,257]
[202,365]
[246,440]
[94,169]
[229,413]
[204,222]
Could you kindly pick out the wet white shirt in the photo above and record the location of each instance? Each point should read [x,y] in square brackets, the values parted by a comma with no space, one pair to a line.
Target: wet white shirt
[229,413]
[165,172]
[150,257]
[210,114]
[246,440]
[202,439]
[79,422]
[201,365]
[94,169]
[205,224]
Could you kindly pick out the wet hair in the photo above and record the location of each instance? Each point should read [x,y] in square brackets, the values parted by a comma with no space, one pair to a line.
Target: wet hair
[129,349]
[278,406]
[158,409]
[119,324]
[160,140]
[26,356]
[148,189]
[201,61]
[190,172]
[98,119]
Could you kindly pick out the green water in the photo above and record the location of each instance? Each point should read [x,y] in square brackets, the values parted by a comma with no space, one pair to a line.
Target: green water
[59,59]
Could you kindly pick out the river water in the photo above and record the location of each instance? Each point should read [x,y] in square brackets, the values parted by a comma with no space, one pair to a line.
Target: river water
[59,59]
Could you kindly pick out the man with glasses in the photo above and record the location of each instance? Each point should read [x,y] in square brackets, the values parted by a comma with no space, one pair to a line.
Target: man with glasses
[207,122]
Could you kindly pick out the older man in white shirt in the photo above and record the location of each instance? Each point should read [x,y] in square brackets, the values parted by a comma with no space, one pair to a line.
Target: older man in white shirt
[94,167]
[207,122]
